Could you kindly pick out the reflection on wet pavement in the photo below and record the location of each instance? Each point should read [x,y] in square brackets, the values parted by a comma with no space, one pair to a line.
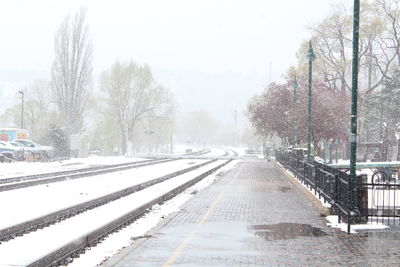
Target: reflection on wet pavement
[284,189]
[257,224]
[283,231]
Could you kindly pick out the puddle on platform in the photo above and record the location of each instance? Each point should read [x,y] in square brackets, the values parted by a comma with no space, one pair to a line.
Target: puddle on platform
[283,231]
[284,189]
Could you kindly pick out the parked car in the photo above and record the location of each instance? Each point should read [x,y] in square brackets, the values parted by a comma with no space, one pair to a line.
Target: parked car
[44,152]
[5,158]
[28,151]
[11,151]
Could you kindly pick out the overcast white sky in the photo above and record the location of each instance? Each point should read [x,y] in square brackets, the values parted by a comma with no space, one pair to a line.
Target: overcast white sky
[197,48]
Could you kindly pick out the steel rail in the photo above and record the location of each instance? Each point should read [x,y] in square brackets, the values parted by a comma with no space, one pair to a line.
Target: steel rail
[50,174]
[44,175]
[38,179]
[64,254]
[76,174]
[62,214]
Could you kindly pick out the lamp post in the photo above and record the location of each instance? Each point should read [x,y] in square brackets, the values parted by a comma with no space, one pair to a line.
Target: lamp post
[353,117]
[22,109]
[311,57]
[294,85]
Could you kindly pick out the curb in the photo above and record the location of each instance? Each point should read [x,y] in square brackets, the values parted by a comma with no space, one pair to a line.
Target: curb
[116,258]
[324,211]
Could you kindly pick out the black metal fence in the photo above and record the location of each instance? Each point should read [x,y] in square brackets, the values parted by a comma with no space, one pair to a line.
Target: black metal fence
[50,155]
[37,155]
[384,196]
[61,154]
[376,201]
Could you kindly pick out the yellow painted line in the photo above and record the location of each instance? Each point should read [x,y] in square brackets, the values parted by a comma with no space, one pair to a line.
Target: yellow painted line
[184,243]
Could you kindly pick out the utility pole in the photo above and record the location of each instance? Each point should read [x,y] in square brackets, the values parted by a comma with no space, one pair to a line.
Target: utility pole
[311,57]
[294,122]
[353,124]
[22,109]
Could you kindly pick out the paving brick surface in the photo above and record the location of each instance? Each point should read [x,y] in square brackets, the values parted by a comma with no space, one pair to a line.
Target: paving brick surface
[254,216]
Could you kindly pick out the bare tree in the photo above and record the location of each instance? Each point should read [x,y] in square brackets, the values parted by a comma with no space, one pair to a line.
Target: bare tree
[72,70]
[391,11]
[38,116]
[333,45]
[37,113]
[133,95]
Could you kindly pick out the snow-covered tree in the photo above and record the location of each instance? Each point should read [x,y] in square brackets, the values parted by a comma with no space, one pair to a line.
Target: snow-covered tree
[132,96]
[72,70]
[271,113]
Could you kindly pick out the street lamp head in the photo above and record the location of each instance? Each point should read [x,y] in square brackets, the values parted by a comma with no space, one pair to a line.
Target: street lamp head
[21,92]
[310,53]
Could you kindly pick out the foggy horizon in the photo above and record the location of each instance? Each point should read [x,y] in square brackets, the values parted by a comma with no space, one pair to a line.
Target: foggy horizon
[228,50]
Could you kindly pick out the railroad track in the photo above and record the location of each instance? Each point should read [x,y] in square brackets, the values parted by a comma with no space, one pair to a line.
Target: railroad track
[228,151]
[46,178]
[32,180]
[235,154]
[169,186]
[54,217]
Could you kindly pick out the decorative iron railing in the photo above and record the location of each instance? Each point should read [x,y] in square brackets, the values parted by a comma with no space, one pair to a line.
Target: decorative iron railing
[378,196]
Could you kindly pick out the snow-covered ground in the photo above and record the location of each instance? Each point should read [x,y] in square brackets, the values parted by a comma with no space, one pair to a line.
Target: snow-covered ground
[26,168]
[334,222]
[360,164]
[239,150]
[55,236]
[215,152]
[181,149]
[31,202]
[125,237]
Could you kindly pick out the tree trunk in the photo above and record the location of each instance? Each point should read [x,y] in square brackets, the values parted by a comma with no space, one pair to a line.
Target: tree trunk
[398,150]
[124,139]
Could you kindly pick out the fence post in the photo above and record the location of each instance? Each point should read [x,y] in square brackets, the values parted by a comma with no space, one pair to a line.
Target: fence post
[332,183]
[334,209]
[362,198]
[336,152]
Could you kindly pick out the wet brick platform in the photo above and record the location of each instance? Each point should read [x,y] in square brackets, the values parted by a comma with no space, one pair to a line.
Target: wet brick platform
[254,216]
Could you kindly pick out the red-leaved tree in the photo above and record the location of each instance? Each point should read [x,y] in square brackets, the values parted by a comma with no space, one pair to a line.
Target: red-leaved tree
[272,113]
